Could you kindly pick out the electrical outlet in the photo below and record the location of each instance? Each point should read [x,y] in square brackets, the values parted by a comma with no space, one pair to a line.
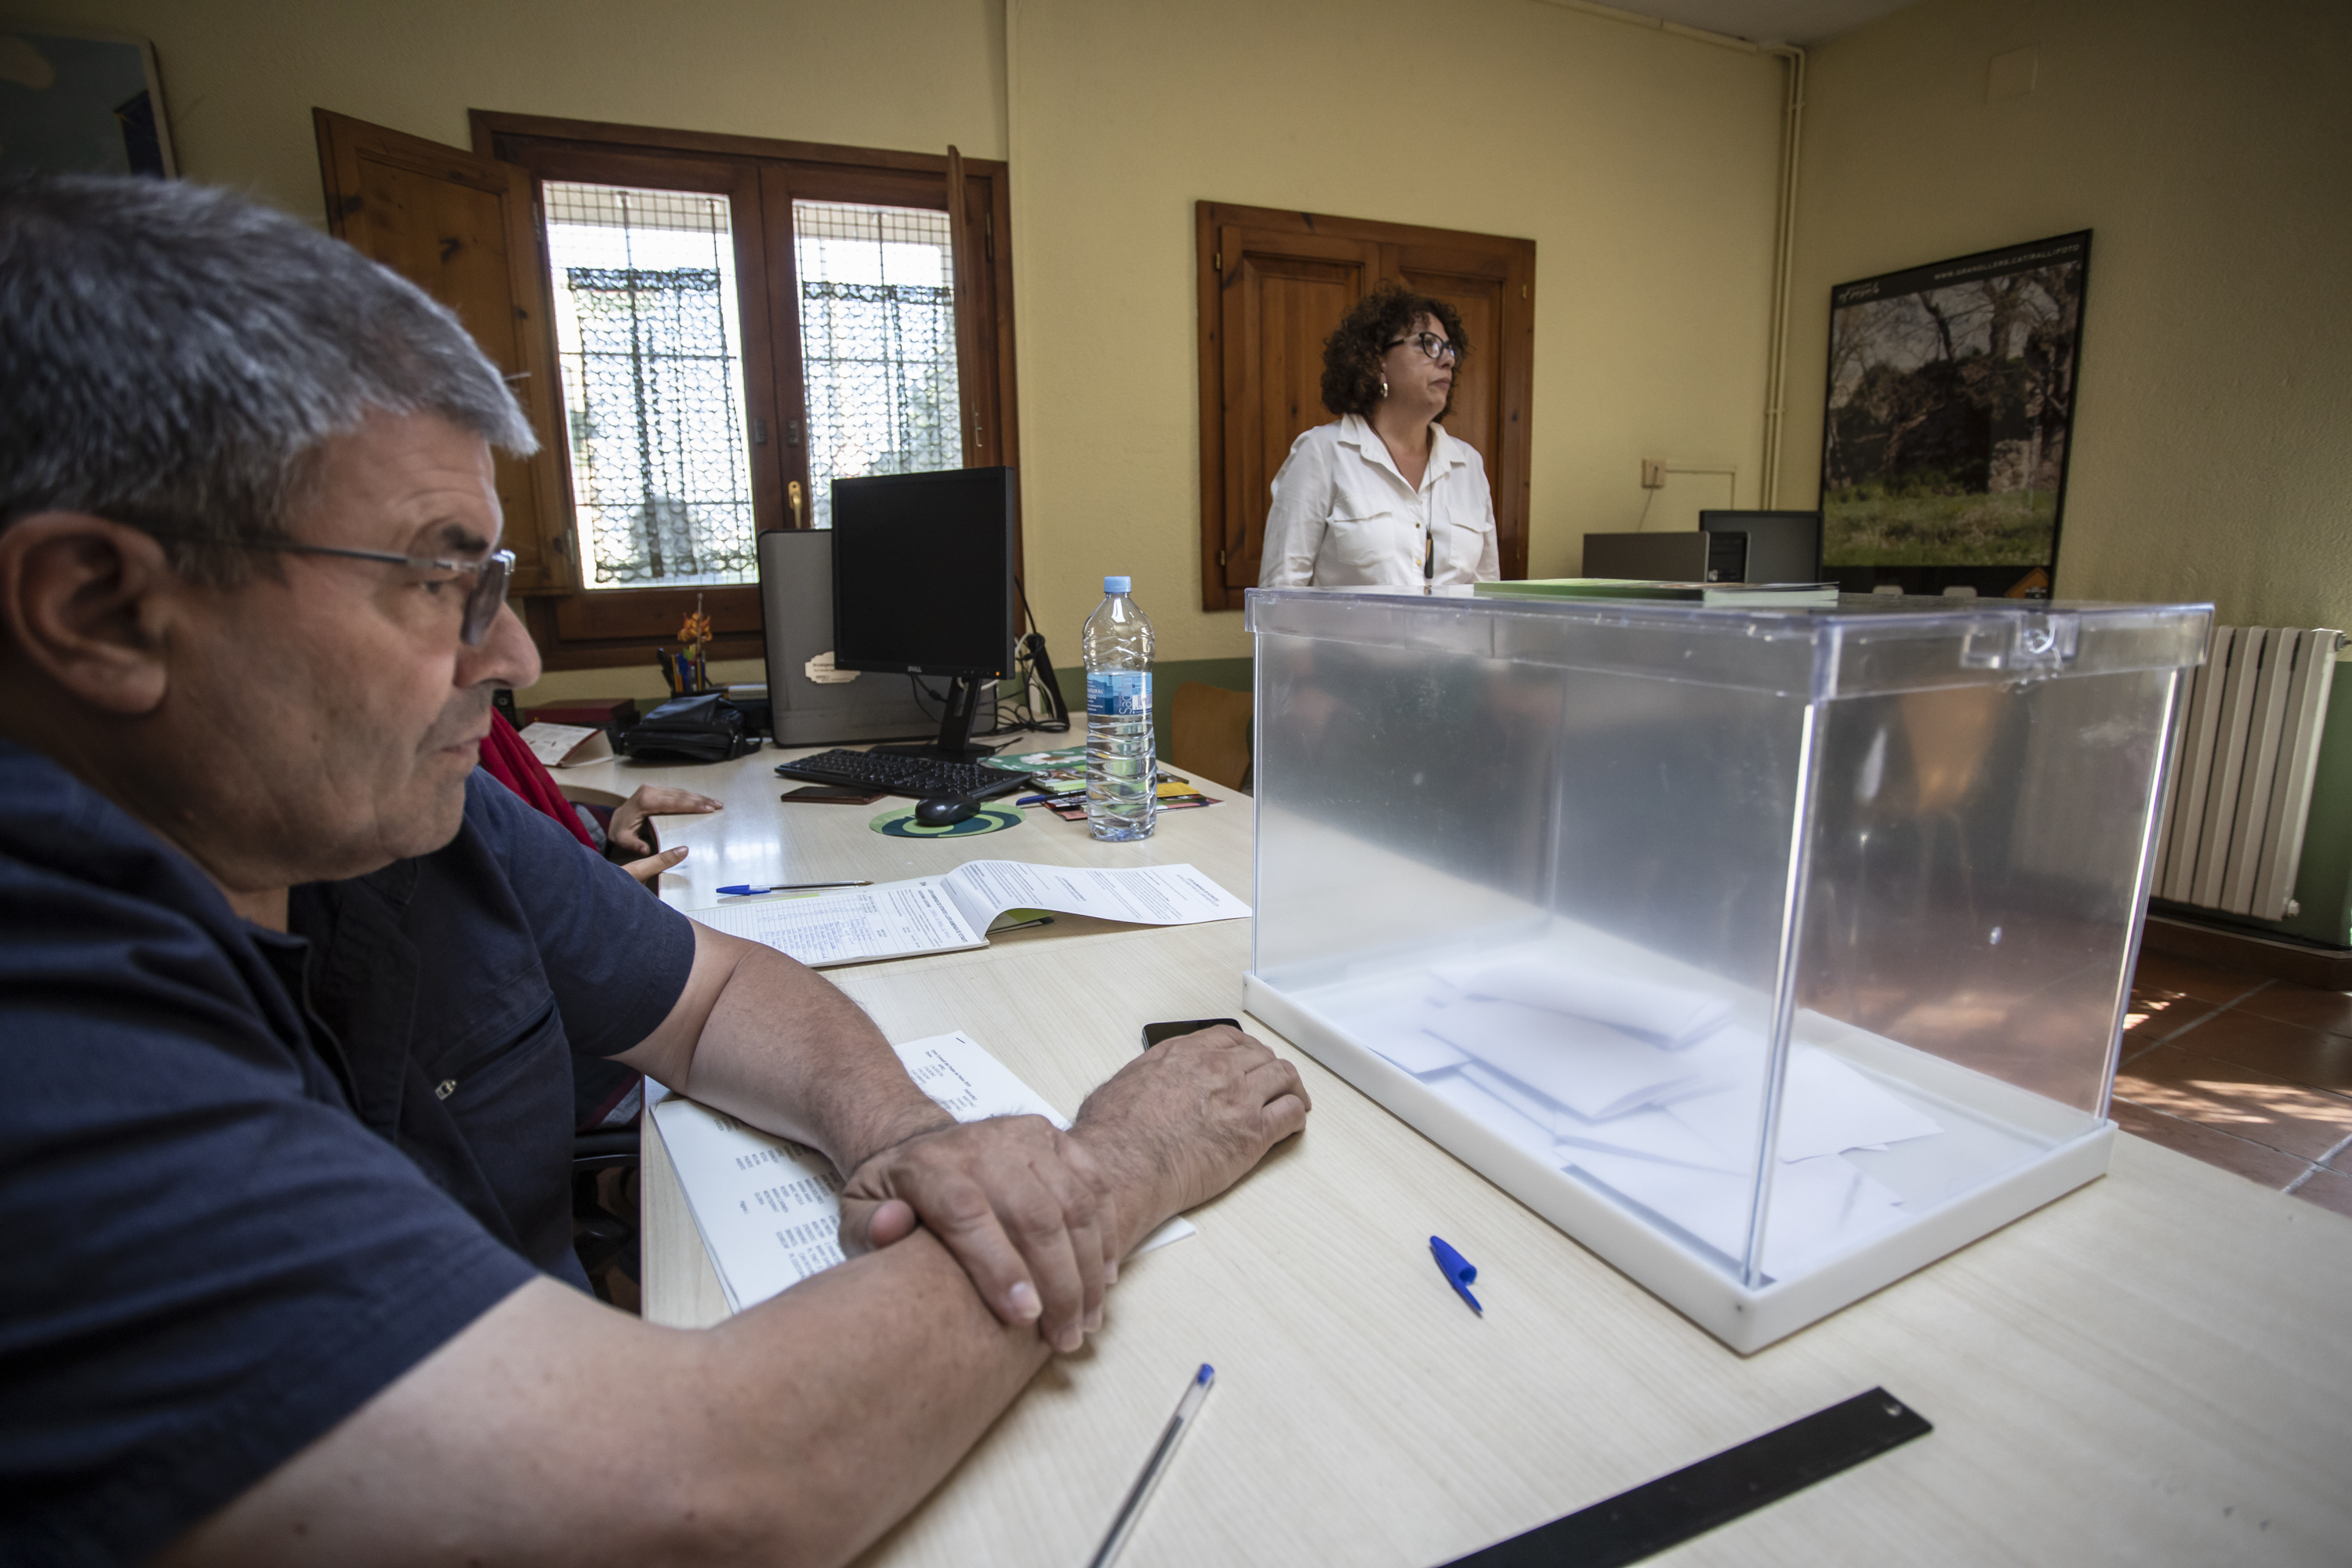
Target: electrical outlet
[1654,473]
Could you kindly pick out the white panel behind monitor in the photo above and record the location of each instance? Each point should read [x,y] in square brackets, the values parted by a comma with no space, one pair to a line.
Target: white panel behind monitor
[797,606]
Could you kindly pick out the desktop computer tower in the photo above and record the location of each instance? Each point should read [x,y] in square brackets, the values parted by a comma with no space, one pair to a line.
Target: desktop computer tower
[1667,557]
[1782,546]
[796,607]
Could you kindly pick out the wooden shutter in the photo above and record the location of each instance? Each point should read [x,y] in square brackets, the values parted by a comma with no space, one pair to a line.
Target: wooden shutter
[1273,285]
[1279,297]
[464,229]
[1489,290]
[967,314]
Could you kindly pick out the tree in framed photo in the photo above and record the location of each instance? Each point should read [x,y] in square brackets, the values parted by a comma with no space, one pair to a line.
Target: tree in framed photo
[1951,405]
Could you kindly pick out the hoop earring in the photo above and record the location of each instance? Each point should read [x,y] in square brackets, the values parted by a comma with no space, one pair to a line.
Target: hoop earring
[1384,386]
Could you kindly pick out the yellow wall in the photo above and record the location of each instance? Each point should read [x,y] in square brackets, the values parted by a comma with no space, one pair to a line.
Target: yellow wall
[1641,164]
[241,76]
[2210,149]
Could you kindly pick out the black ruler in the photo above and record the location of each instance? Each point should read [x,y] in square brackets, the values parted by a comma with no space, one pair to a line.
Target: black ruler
[1673,1509]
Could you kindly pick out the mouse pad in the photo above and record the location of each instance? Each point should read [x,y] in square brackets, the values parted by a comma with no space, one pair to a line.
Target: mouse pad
[901,823]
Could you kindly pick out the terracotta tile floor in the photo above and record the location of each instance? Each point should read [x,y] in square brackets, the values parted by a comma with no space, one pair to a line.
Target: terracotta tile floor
[2250,1074]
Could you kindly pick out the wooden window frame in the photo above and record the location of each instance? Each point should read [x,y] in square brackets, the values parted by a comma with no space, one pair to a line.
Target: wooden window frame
[414,233]
[1228,516]
[580,629]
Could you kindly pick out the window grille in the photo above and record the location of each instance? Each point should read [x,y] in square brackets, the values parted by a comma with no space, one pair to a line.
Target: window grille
[877,343]
[651,361]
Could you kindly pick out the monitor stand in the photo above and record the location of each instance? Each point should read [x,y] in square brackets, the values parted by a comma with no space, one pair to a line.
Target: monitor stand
[955,743]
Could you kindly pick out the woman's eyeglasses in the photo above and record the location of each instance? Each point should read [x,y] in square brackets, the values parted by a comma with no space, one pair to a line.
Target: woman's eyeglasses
[484,600]
[1430,344]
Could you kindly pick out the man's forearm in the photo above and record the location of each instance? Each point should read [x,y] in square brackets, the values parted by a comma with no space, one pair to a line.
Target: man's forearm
[778,1046]
[914,1368]
[796,1432]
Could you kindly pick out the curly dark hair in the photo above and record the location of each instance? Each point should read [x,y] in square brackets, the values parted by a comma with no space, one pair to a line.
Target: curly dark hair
[1351,354]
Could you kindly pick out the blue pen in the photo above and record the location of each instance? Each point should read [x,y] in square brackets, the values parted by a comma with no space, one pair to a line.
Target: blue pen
[747,889]
[1459,1272]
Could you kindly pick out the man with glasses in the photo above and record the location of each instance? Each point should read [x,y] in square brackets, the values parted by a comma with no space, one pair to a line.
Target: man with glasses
[1384,498]
[289,995]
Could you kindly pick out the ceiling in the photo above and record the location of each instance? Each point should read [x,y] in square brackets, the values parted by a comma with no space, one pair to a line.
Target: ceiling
[1766,21]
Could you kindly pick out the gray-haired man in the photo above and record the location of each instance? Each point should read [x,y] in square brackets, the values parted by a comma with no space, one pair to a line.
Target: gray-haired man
[279,1292]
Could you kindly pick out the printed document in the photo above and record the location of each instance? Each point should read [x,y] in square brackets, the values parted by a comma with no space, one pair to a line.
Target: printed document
[947,914]
[768,1209]
[567,745]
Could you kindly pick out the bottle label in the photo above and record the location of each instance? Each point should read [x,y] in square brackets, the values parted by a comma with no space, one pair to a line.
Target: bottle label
[1118,693]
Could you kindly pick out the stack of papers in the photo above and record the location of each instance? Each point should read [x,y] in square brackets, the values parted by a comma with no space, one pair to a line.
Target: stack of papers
[768,1209]
[947,914]
[1649,1090]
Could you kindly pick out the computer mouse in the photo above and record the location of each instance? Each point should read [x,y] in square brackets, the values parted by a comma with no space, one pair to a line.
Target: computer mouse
[945,811]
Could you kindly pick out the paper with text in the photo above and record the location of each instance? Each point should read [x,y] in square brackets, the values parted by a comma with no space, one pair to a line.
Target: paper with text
[947,914]
[1137,895]
[768,1209]
[854,925]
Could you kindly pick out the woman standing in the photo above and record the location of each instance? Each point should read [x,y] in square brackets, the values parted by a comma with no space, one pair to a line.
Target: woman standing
[1385,497]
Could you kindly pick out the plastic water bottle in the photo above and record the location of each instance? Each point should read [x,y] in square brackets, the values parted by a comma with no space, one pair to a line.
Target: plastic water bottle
[1122,789]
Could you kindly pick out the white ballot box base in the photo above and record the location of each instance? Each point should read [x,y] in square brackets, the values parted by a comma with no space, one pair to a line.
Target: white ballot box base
[1699,1287]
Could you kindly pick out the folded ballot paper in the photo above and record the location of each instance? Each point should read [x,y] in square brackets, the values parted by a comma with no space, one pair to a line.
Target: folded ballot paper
[768,1209]
[1648,1089]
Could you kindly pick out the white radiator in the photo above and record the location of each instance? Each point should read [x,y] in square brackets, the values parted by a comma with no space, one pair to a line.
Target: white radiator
[2244,746]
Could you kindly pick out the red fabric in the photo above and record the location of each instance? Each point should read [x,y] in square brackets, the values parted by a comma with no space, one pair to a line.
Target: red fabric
[508,757]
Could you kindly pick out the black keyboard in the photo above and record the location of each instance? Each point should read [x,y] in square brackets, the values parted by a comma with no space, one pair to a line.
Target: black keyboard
[921,778]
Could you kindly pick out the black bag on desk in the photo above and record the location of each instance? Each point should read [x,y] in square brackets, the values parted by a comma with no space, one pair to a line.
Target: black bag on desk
[705,728]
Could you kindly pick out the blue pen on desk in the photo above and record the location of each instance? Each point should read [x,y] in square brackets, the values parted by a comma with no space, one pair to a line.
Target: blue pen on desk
[1459,1271]
[747,889]
[1186,1408]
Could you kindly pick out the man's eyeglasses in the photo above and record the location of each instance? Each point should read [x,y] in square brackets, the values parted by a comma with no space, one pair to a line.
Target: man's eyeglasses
[1435,347]
[484,600]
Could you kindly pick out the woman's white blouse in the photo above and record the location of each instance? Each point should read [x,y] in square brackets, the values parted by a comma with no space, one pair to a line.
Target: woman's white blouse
[1344,517]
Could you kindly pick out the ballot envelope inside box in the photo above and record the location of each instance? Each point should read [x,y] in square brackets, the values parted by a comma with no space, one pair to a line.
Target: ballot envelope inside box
[1770,953]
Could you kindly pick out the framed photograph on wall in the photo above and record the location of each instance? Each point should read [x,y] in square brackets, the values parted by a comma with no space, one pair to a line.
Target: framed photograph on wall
[81,103]
[1950,416]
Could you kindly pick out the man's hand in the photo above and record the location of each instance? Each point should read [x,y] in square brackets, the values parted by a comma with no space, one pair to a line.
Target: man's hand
[630,830]
[1187,1119]
[1022,1206]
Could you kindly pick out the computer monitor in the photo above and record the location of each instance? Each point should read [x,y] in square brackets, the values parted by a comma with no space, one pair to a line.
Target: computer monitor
[923,584]
[1782,546]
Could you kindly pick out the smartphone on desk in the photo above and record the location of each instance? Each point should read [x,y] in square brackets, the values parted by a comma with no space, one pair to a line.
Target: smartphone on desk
[837,794]
[1155,1033]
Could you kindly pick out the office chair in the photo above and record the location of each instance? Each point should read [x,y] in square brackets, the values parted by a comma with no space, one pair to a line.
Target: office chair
[1209,733]
[599,1237]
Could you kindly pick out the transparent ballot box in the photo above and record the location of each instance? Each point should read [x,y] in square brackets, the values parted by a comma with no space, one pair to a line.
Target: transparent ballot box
[1770,953]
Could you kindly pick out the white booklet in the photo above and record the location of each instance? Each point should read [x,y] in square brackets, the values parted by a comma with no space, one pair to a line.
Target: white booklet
[768,1209]
[947,914]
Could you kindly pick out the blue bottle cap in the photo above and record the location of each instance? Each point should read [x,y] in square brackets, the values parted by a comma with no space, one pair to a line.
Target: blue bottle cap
[1118,585]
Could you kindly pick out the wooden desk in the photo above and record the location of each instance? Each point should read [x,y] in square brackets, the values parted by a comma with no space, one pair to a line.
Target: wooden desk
[2152,1369]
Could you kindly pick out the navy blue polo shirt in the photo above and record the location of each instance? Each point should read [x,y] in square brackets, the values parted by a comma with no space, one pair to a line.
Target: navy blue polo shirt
[252,1178]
